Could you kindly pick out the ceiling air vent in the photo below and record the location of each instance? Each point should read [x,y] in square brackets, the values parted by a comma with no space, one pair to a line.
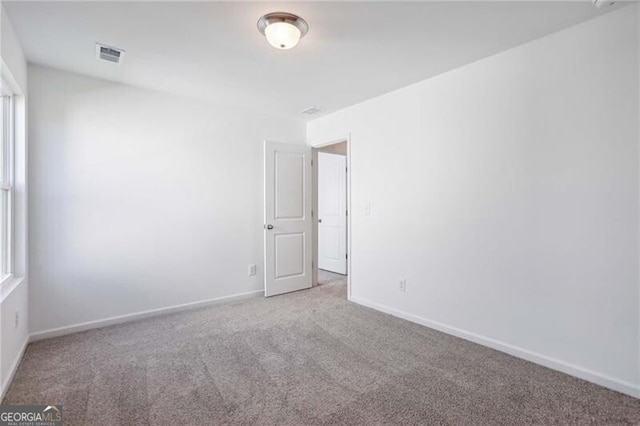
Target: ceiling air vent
[603,3]
[311,110]
[110,54]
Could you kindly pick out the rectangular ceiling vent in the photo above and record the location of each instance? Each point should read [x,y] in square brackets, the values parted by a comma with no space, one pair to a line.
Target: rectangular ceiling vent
[311,110]
[110,54]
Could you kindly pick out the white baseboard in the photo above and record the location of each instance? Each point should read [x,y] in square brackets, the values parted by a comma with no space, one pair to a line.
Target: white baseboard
[13,369]
[61,331]
[622,386]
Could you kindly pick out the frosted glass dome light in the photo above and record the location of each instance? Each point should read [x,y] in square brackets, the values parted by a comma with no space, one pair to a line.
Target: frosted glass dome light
[282,35]
[282,30]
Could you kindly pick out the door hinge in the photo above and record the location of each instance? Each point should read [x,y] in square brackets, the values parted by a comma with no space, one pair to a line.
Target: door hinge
[311,163]
[346,169]
[312,214]
[346,256]
[346,212]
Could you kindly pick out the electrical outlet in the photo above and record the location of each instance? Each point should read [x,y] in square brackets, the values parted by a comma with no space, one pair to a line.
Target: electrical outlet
[252,270]
[402,285]
[17,320]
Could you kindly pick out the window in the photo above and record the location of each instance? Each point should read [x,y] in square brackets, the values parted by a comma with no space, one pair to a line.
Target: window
[6,185]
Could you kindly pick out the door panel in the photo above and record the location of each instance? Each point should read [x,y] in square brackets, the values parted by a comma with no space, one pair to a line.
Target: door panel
[289,249]
[330,243]
[287,218]
[332,214]
[289,180]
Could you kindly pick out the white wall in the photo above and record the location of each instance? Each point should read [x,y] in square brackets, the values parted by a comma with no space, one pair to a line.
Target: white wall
[13,293]
[12,54]
[140,200]
[509,201]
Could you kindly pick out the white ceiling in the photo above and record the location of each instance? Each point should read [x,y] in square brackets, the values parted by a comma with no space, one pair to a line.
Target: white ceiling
[212,50]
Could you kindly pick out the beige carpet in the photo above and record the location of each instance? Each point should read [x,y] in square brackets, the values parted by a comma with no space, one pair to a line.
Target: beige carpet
[328,277]
[308,357]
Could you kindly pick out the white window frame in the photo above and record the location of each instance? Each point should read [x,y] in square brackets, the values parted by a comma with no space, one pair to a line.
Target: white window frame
[7,144]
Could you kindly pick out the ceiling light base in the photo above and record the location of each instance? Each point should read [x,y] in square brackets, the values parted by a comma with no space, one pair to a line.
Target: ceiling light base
[289,18]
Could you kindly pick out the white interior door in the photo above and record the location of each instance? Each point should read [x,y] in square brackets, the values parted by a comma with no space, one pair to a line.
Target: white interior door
[287,213]
[332,212]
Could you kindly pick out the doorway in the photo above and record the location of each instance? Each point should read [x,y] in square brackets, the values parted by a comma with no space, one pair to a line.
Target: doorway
[291,237]
[331,207]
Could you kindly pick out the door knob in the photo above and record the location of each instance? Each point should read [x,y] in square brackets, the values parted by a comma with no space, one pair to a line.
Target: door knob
[319,220]
[269,226]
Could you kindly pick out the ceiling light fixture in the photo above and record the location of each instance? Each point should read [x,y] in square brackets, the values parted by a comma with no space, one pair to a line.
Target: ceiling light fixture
[282,30]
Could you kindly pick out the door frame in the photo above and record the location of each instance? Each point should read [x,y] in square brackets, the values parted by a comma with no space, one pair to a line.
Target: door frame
[314,189]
